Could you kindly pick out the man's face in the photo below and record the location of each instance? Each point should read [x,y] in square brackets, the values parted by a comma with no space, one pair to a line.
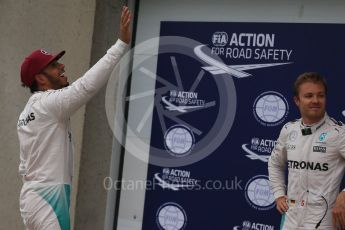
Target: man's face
[55,74]
[311,101]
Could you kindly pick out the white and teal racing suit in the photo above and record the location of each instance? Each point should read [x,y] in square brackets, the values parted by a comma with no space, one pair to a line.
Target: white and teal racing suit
[46,155]
[314,158]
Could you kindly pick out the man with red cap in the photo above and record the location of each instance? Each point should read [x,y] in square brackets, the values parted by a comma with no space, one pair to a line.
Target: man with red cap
[46,158]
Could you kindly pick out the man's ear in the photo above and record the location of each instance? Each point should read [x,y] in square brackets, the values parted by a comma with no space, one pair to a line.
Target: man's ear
[296,100]
[40,79]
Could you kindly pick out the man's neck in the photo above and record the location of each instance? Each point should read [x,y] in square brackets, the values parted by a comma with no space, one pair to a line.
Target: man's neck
[311,122]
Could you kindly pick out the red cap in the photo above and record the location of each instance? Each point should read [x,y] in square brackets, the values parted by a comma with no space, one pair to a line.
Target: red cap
[35,63]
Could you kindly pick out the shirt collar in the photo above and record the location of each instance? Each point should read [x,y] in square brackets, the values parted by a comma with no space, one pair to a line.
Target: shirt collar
[313,127]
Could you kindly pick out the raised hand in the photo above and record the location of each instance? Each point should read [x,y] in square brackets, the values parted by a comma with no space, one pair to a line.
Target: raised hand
[125,31]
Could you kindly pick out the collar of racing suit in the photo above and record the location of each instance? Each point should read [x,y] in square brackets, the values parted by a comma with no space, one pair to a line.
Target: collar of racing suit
[309,129]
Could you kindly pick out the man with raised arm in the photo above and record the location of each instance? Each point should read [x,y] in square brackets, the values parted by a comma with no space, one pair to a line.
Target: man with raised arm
[44,131]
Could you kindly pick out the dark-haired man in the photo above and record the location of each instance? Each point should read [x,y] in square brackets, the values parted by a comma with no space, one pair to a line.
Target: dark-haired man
[313,150]
[44,130]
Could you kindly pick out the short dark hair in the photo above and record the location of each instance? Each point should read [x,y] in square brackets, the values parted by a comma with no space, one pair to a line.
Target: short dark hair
[313,77]
[33,87]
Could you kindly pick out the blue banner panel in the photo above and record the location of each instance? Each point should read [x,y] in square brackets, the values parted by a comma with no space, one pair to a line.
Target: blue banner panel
[223,92]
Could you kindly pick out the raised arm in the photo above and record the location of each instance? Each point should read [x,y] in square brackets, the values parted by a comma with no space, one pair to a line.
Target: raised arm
[64,102]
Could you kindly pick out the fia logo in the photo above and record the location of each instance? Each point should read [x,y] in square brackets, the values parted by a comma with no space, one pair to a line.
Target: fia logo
[171,216]
[255,141]
[270,108]
[220,38]
[179,140]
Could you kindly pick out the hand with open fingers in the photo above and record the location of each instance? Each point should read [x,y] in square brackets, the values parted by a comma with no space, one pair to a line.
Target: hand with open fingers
[125,30]
[282,205]
[338,212]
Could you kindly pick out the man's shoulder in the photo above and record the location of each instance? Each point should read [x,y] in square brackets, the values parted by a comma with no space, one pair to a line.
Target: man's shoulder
[292,124]
[42,95]
[40,101]
[337,126]
[334,122]
[33,98]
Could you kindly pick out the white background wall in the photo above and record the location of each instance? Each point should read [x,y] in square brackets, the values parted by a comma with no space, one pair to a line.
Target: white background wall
[152,12]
